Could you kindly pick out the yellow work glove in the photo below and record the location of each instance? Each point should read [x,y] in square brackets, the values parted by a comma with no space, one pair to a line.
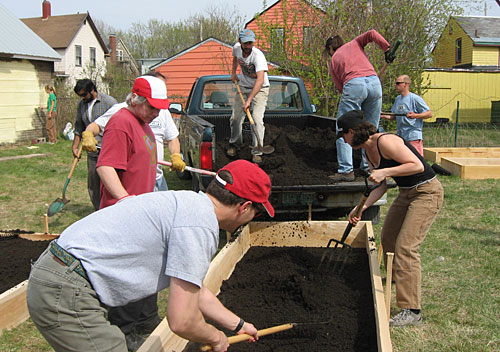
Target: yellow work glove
[89,143]
[177,163]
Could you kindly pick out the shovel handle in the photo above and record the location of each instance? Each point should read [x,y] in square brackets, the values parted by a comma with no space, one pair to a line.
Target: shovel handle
[189,168]
[245,337]
[75,161]
[243,101]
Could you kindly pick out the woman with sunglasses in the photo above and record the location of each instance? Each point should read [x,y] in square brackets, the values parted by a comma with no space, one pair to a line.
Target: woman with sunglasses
[410,215]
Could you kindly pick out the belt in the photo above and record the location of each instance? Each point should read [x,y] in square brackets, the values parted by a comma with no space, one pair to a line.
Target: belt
[63,257]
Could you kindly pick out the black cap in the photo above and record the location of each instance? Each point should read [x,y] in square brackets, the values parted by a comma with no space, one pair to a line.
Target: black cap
[350,119]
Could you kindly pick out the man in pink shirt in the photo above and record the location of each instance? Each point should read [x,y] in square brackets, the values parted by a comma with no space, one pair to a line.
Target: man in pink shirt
[355,77]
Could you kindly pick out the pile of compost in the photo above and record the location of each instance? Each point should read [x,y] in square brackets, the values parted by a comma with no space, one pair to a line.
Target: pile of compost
[301,157]
[272,286]
[17,256]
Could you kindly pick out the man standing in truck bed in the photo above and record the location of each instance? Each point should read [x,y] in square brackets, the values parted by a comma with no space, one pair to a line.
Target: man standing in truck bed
[255,89]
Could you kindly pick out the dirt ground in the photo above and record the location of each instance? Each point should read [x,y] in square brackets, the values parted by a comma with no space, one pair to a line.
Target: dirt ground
[301,157]
[272,286]
[16,257]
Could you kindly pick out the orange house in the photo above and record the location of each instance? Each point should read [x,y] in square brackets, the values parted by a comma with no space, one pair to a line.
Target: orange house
[287,25]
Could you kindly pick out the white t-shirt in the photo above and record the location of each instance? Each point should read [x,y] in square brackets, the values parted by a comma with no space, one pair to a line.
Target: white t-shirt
[131,249]
[163,127]
[250,65]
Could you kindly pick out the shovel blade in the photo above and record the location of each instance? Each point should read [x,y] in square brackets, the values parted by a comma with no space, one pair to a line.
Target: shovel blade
[267,149]
[56,206]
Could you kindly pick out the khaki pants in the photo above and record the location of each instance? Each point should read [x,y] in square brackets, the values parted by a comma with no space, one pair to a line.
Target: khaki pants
[51,127]
[258,108]
[405,227]
[66,310]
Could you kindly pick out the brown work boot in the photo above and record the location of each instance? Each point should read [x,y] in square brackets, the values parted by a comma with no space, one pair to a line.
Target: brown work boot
[342,177]
[257,159]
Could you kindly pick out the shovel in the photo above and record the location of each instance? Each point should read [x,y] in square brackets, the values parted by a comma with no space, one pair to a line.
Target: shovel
[245,337]
[59,203]
[268,149]
[346,249]
[189,168]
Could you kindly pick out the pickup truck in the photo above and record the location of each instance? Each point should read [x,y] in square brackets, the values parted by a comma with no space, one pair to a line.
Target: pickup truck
[204,134]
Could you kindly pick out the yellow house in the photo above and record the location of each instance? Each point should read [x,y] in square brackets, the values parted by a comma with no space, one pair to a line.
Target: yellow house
[466,70]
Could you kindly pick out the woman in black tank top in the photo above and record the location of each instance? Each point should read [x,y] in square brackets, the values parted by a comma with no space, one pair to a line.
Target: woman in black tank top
[410,215]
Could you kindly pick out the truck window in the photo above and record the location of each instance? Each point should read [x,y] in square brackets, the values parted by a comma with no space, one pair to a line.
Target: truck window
[218,95]
[284,96]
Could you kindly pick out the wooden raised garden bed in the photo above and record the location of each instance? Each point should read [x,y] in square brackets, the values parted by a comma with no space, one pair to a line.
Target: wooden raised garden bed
[299,235]
[435,154]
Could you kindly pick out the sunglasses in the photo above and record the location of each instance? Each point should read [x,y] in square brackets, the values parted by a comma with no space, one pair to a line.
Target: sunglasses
[398,83]
[83,95]
[259,208]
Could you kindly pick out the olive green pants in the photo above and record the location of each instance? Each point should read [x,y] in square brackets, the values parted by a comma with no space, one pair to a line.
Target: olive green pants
[66,310]
[405,227]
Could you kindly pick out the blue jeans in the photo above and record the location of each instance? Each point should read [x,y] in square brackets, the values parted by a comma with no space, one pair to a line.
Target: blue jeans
[161,184]
[360,93]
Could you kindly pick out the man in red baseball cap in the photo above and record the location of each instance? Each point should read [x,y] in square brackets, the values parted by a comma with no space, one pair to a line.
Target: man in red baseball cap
[127,252]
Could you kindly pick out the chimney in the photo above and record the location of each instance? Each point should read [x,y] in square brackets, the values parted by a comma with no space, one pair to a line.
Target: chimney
[45,9]
[112,48]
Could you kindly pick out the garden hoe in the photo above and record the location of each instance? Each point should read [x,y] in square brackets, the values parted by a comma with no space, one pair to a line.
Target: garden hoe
[59,203]
[344,251]
[245,337]
[268,149]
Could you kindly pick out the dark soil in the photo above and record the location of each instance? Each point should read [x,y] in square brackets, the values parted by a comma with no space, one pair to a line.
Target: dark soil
[272,286]
[16,255]
[301,157]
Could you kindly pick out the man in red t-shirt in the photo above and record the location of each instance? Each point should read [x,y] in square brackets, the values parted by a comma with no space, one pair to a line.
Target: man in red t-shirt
[127,163]
[127,167]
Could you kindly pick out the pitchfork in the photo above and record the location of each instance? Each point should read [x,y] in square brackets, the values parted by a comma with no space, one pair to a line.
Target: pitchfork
[346,249]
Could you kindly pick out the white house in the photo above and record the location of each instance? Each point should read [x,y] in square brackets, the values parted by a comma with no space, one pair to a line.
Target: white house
[76,38]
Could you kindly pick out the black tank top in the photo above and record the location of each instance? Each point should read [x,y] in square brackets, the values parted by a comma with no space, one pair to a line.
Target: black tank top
[410,180]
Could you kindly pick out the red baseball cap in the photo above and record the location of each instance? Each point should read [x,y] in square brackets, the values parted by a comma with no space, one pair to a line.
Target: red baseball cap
[249,182]
[153,89]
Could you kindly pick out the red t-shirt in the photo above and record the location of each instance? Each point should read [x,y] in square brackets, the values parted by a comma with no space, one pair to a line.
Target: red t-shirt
[129,146]
[350,60]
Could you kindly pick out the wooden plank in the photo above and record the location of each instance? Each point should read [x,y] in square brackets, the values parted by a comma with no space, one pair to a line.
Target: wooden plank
[472,168]
[298,233]
[13,307]
[436,154]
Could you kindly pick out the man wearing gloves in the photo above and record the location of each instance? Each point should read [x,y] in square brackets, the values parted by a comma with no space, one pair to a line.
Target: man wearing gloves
[92,105]
[163,128]
[133,249]
[355,77]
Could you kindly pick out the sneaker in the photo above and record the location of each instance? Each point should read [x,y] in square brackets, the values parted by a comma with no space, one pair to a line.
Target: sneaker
[231,151]
[256,159]
[342,177]
[134,341]
[406,317]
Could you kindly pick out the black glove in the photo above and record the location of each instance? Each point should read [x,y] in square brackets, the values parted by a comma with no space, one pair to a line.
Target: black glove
[389,56]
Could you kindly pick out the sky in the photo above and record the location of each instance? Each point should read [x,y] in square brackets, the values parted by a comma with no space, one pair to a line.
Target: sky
[121,14]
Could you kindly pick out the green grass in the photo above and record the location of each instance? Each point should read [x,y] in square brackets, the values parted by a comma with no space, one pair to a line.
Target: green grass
[461,294]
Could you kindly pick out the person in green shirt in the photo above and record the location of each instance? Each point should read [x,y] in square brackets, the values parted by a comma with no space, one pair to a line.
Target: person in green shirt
[51,113]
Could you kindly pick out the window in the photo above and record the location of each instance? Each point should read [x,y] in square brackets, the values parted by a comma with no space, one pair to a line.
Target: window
[458,50]
[119,55]
[277,39]
[284,96]
[92,57]
[78,55]
[307,37]
[218,95]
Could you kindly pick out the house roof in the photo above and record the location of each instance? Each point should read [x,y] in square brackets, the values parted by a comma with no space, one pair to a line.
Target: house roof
[277,2]
[483,30]
[59,31]
[19,42]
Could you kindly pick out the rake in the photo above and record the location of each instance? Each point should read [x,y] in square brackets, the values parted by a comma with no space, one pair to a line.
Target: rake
[345,248]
